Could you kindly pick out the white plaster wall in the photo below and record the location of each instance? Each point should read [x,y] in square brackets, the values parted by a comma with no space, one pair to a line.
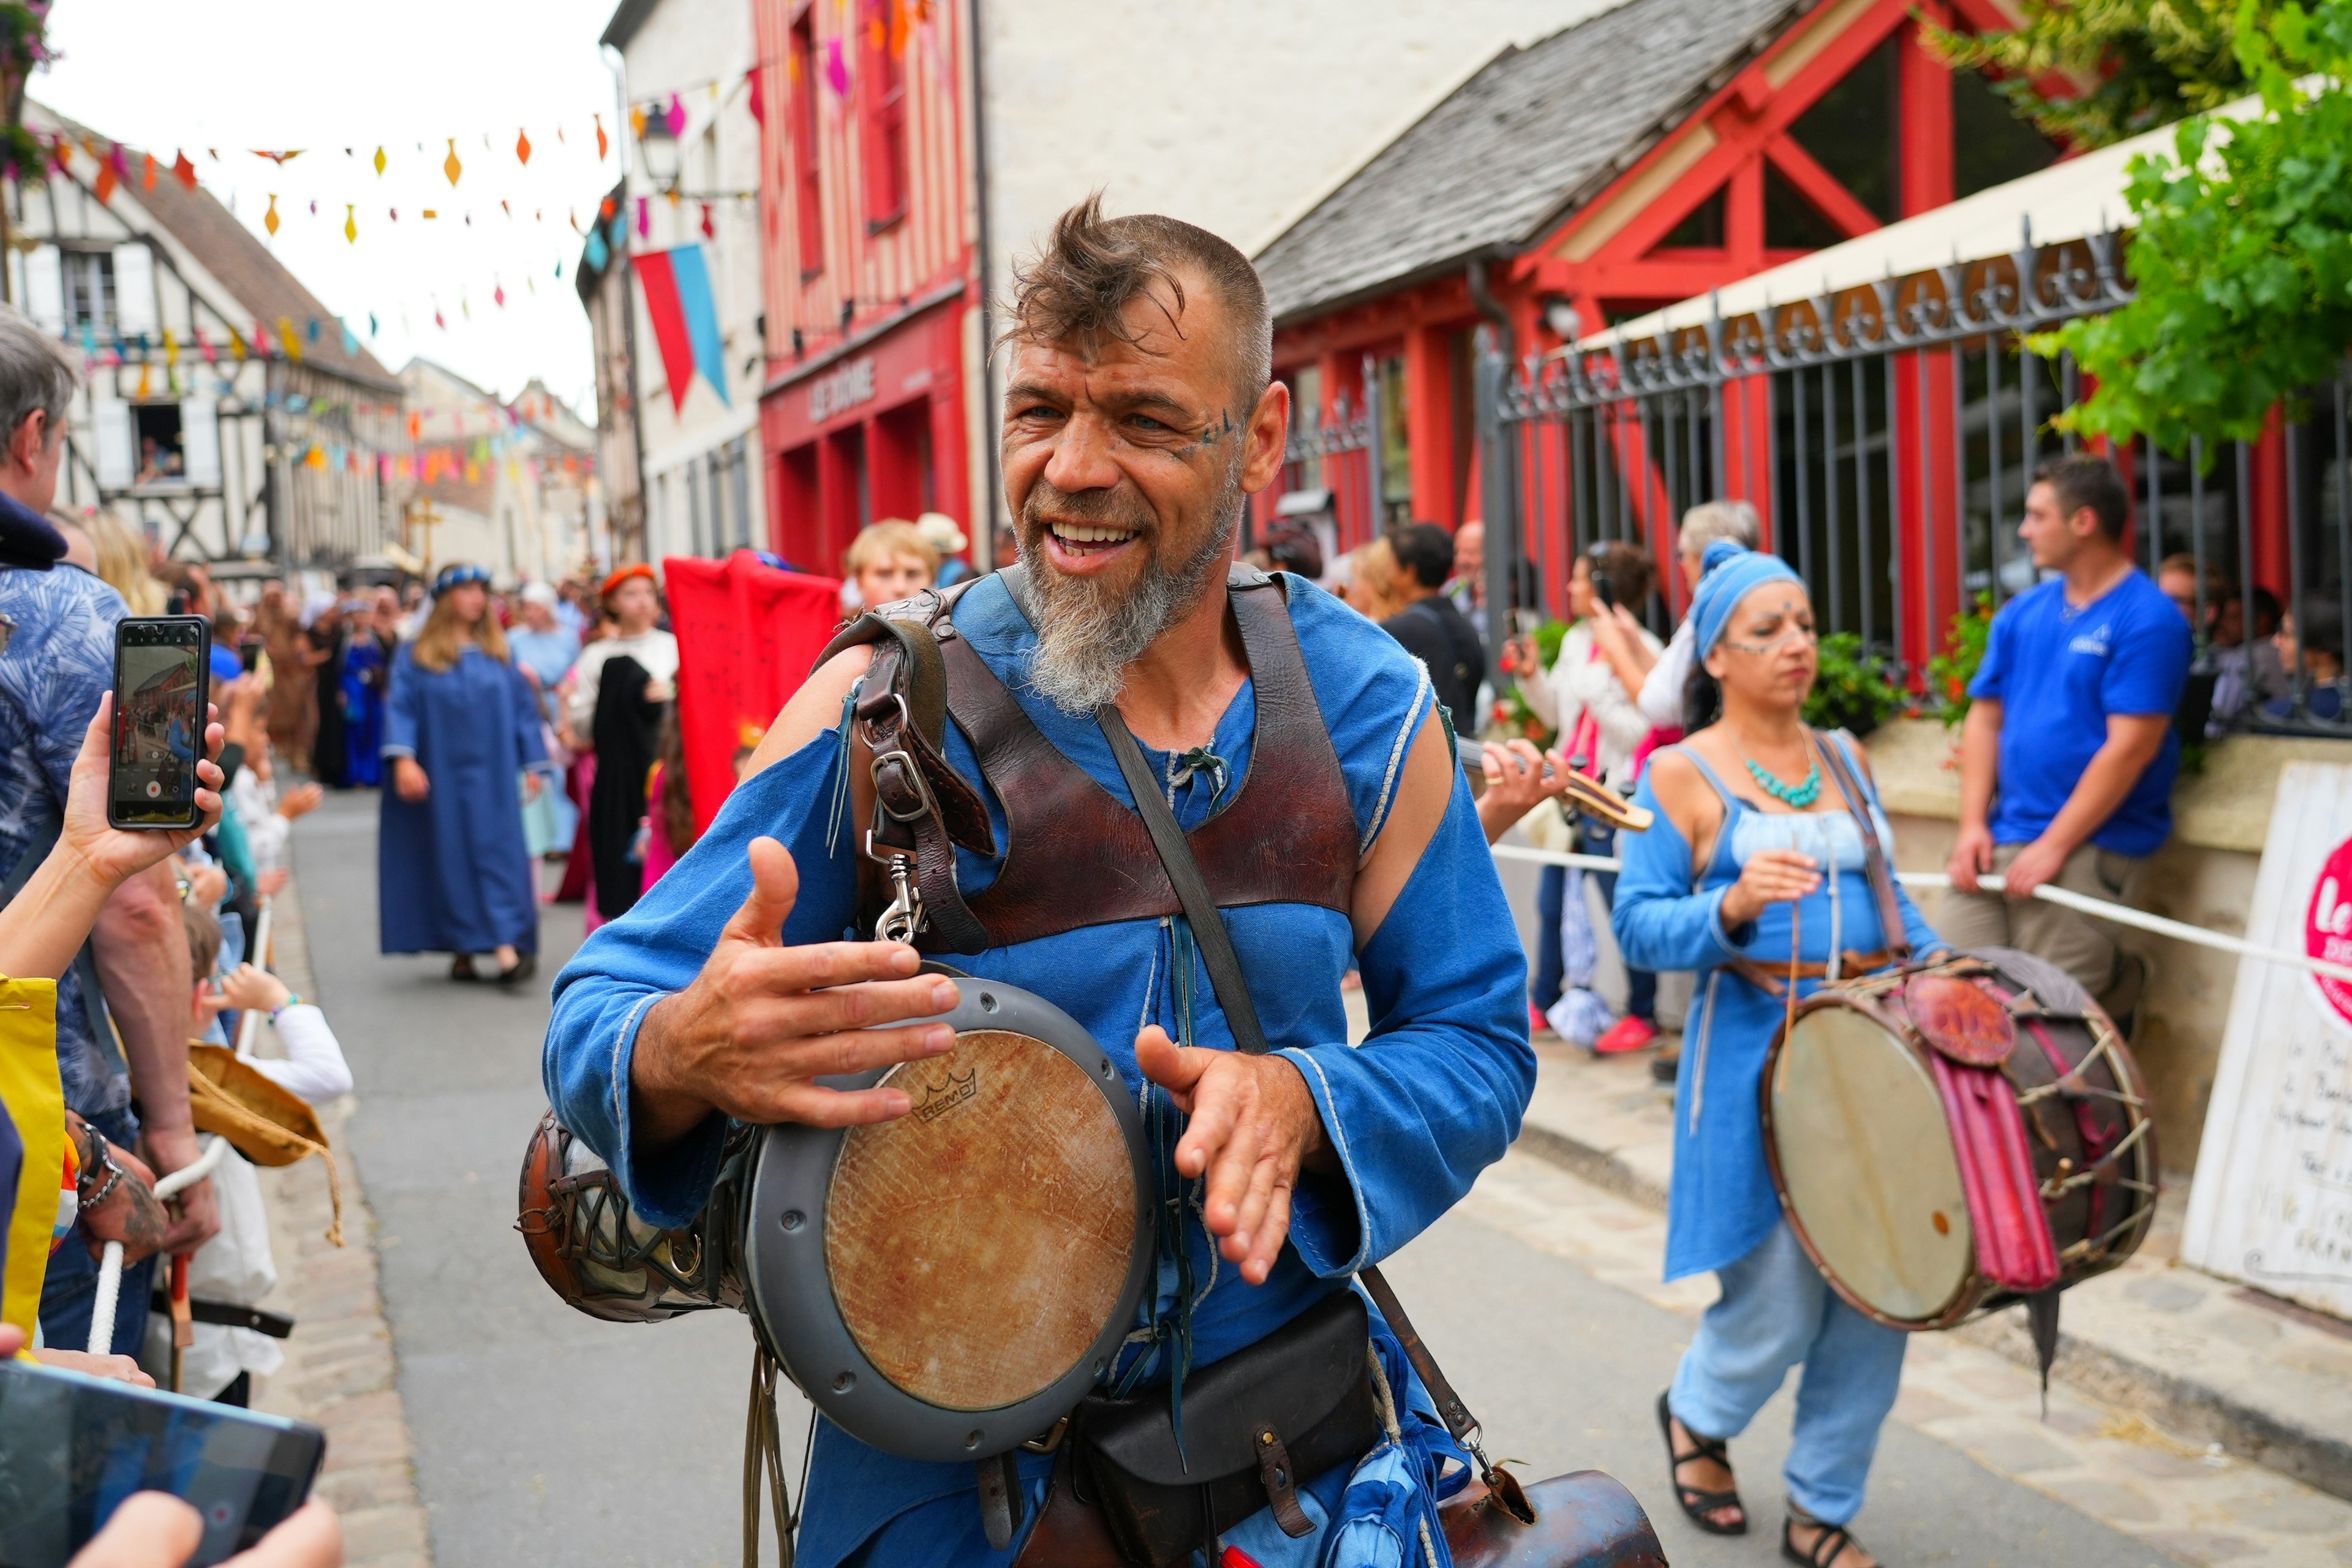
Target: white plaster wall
[684,43]
[1235,116]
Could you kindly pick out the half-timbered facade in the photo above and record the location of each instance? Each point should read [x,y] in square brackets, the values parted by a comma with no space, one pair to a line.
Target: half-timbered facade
[1649,153]
[224,410]
[869,211]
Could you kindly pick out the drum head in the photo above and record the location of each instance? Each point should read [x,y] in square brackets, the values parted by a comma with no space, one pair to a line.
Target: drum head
[1866,1165]
[947,1285]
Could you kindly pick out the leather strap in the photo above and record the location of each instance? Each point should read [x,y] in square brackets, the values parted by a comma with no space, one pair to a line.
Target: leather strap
[1774,981]
[1873,853]
[1217,956]
[227,1315]
[1002,1506]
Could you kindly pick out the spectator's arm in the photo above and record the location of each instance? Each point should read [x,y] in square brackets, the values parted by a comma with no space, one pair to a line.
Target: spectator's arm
[1661,700]
[314,1068]
[143,967]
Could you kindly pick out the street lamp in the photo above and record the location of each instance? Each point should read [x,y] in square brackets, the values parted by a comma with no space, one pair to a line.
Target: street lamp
[662,155]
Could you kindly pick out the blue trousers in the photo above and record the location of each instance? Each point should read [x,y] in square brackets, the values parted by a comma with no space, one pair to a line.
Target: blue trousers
[70,1290]
[1777,1311]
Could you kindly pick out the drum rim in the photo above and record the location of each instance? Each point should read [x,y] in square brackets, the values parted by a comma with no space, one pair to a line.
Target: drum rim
[793,1171]
[1973,1286]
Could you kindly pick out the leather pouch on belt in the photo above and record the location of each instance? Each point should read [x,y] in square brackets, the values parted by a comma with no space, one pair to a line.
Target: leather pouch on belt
[1257,1425]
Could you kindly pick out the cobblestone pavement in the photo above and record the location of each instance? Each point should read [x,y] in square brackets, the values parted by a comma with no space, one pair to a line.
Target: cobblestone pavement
[339,1364]
[2178,1497]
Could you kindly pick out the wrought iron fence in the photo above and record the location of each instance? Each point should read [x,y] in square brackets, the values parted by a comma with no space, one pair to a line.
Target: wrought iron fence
[1332,469]
[1886,435]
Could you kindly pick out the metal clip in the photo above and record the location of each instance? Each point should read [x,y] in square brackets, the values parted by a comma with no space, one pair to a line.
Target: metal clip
[904,916]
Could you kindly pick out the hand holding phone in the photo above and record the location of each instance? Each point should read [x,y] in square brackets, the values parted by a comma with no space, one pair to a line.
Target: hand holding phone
[163,674]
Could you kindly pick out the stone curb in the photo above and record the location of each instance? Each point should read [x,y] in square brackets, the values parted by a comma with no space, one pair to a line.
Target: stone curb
[339,1367]
[1570,1130]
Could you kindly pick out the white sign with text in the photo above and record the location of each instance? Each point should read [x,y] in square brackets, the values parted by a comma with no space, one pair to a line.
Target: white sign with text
[2272,1201]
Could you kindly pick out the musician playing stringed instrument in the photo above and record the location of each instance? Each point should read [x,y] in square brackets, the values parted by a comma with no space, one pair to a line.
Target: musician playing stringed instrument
[1295,747]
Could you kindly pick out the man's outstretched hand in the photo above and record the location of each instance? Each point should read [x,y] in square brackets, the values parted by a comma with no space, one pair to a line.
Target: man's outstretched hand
[763,1021]
[1254,1124]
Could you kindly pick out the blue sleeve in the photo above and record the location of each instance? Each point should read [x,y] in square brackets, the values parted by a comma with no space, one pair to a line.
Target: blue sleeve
[1435,1092]
[1658,922]
[61,682]
[527,723]
[400,706]
[2150,664]
[1992,676]
[661,944]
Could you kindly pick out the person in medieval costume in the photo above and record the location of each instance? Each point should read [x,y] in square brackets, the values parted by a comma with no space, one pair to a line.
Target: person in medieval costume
[619,687]
[1756,876]
[1139,417]
[454,874]
[367,671]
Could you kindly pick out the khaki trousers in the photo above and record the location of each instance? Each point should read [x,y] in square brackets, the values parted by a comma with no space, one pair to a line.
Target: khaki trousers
[2083,947]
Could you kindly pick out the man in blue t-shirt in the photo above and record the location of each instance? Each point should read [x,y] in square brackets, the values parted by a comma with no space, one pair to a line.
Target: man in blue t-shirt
[2068,756]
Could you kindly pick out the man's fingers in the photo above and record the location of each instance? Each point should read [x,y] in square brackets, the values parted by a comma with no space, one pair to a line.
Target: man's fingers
[775,888]
[812,1106]
[310,1537]
[1262,1177]
[1171,1066]
[1234,1161]
[1215,1111]
[1268,1235]
[148,1529]
[823,964]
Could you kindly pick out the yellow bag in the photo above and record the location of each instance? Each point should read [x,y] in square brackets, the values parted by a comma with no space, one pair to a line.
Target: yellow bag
[264,1122]
[36,1099]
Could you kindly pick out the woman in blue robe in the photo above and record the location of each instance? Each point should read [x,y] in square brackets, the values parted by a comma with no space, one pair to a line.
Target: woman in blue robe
[1726,884]
[454,873]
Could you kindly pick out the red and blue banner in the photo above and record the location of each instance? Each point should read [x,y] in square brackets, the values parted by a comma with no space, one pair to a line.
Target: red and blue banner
[685,313]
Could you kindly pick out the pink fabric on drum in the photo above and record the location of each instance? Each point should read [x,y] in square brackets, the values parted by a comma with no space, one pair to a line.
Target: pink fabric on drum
[2014,1248]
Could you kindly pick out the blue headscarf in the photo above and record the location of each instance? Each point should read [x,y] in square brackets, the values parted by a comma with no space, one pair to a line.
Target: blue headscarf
[1733,571]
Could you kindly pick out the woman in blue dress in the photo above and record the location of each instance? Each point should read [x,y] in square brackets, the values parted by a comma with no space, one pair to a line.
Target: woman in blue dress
[1756,852]
[454,873]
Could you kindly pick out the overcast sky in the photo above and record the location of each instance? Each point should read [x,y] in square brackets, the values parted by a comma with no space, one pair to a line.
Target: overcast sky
[230,76]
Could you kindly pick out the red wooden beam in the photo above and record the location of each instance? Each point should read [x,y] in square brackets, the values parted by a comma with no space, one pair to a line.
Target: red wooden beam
[1820,187]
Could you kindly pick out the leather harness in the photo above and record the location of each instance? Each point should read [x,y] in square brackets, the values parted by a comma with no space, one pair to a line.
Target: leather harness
[1076,855]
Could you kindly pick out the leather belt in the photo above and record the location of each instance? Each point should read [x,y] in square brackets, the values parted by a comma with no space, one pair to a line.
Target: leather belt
[1773,978]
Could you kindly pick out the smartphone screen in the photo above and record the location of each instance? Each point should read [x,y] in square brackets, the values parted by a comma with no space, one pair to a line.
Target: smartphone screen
[73,1447]
[162,677]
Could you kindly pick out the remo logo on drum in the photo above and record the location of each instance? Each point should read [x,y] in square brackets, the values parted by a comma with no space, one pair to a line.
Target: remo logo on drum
[2327,929]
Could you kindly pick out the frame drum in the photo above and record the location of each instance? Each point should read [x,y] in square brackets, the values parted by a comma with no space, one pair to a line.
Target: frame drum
[948,1285]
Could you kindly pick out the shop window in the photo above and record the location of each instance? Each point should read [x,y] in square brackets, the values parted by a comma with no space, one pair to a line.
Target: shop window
[1790,222]
[882,112]
[1396,445]
[1852,132]
[1991,145]
[809,209]
[1702,230]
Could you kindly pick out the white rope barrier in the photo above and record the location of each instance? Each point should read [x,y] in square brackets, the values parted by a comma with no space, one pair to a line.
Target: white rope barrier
[110,1265]
[257,953]
[2121,914]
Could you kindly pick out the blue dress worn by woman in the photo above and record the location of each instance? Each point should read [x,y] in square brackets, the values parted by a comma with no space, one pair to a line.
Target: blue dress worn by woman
[1723,1213]
[453,873]
[365,671]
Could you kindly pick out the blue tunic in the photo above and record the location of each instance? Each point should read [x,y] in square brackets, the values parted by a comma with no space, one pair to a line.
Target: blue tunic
[363,680]
[452,871]
[1431,1097]
[1721,1202]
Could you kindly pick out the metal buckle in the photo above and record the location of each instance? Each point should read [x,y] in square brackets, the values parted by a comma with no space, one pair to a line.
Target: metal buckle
[925,806]
[1051,1438]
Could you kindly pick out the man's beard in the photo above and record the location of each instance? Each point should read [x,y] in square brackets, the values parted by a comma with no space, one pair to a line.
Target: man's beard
[1088,632]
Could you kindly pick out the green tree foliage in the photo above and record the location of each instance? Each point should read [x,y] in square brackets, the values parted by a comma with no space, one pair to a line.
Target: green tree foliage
[2128,65]
[2244,256]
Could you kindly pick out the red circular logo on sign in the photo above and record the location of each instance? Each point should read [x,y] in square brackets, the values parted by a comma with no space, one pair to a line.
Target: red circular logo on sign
[2327,929]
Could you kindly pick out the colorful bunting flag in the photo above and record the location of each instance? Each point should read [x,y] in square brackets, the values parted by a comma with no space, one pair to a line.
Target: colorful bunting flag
[522,146]
[449,166]
[269,218]
[685,316]
[184,171]
[379,162]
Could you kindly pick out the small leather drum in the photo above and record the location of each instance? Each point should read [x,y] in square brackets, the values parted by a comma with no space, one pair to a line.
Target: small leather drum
[595,1251]
[949,1284]
[1948,1138]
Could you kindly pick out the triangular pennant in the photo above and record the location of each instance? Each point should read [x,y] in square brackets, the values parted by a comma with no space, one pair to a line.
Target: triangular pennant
[522,146]
[449,166]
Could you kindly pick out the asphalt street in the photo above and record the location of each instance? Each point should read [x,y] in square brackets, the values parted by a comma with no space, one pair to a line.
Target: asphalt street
[542,1436]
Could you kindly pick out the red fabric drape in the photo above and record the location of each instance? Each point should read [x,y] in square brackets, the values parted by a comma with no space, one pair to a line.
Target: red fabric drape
[747,635]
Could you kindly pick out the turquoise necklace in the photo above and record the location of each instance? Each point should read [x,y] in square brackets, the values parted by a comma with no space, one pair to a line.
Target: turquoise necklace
[1797,797]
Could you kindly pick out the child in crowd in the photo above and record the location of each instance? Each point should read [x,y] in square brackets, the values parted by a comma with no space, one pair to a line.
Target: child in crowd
[888,561]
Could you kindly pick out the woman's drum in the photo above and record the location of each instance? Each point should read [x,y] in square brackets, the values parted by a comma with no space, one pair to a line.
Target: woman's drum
[948,1285]
[1951,1137]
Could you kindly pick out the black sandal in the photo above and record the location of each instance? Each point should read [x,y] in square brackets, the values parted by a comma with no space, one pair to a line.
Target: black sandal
[462,967]
[1833,1539]
[1697,1504]
[524,968]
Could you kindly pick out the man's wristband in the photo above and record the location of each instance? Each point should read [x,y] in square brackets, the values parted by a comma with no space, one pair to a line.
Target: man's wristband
[88,1201]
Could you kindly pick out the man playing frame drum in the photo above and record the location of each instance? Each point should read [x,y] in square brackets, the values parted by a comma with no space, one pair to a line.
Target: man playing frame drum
[1755,878]
[1139,415]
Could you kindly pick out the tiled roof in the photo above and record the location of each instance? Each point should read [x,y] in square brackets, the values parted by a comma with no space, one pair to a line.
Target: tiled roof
[1514,149]
[243,264]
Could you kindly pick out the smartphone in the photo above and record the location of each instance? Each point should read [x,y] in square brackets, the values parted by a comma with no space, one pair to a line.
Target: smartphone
[72,1447]
[1604,589]
[162,681]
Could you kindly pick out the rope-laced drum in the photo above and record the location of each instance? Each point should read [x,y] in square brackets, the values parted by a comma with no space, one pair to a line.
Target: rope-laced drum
[1948,1138]
[944,1286]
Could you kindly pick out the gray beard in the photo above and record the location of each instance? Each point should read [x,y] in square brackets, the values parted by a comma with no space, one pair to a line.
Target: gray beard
[1087,636]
